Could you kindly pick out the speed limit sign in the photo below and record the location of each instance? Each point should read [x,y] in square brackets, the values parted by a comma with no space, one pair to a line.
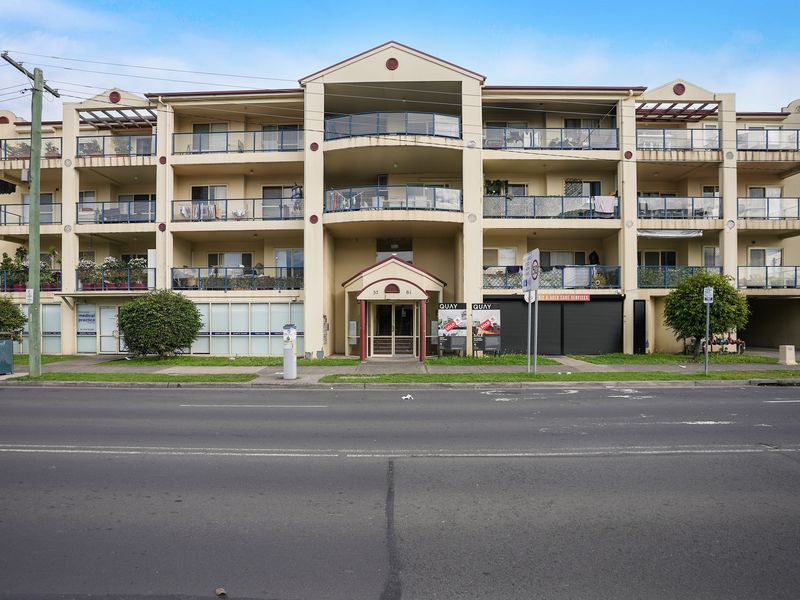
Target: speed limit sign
[530,271]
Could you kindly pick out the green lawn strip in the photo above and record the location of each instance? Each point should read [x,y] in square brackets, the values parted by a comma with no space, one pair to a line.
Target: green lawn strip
[224,361]
[22,359]
[662,358]
[500,359]
[142,377]
[515,377]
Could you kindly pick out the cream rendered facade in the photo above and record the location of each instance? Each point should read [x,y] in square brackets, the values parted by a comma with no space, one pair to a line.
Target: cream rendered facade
[270,204]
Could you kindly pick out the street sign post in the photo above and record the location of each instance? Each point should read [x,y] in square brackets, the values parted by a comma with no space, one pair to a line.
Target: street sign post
[530,286]
[708,299]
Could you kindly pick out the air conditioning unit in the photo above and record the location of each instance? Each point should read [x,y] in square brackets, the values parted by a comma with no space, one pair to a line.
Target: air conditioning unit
[25,174]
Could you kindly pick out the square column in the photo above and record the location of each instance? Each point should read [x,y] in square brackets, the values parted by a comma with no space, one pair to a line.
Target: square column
[165,190]
[728,239]
[629,213]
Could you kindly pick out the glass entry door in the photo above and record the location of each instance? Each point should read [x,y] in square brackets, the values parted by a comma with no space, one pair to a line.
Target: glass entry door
[109,333]
[393,330]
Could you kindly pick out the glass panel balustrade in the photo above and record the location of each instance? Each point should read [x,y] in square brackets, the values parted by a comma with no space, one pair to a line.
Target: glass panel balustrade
[17,281]
[671,207]
[669,276]
[116,145]
[238,209]
[769,208]
[121,211]
[115,279]
[561,277]
[237,278]
[20,148]
[279,140]
[551,207]
[768,277]
[768,139]
[509,138]
[19,214]
[393,123]
[393,197]
[677,139]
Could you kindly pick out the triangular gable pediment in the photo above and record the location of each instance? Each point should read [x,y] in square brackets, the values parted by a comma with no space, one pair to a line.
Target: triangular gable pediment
[394,270]
[113,98]
[392,61]
[689,92]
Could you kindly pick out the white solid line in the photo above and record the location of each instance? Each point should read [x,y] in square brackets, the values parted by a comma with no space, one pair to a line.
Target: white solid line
[252,406]
[781,401]
[571,454]
[168,453]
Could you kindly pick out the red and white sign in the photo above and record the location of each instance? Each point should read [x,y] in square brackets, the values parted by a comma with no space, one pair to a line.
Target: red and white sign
[564,297]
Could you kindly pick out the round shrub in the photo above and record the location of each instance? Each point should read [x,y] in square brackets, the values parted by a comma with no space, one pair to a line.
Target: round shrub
[12,319]
[160,322]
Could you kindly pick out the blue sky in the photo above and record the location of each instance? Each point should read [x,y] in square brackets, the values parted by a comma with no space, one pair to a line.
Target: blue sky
[750,51]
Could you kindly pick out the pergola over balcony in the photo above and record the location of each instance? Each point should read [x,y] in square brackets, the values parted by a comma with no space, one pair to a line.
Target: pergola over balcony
[675,112]
[119,118]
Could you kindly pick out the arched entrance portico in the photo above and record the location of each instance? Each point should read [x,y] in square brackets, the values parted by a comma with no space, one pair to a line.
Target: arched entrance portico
[392,298]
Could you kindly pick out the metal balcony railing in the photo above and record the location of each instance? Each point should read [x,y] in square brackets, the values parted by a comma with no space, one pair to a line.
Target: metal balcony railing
[237,278]
[110,280]
[17,281]
[677,139]
[393,197]
[20,148]
[393,123]
[116,145]
[768,277]
[680,208]
[551,207]
[561,277]
[127,211]
[238,141]
[768,139]
[237,209]
[19,214]
[519,138]
[769,208]
[668,276]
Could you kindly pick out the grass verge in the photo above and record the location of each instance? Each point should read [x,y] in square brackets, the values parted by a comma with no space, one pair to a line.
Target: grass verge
[663,358]
[517,377]
[141,377]
[47,359]
[500,359]
[224,361]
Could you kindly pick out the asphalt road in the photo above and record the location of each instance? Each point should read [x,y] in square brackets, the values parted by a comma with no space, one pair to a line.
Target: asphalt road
[546,493]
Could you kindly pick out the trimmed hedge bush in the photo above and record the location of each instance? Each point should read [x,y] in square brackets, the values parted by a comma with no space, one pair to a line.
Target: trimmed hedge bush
[160,322]
[12,319]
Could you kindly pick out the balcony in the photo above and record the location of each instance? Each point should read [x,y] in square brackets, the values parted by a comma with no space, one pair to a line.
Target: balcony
[237,141]
[112,280]
[769,208]
[20,148]
[392,197]
[562,277]
[237,278]
[237,209]
[115,145]
[102,213]
[677,139]
[680,208]
[15,281]
[768,139]
[551,207]
[669,276]
[393,123]
[768,277]
[19,214]
[517,138]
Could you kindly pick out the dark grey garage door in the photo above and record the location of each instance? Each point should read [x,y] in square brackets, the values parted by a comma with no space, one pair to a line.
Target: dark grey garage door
[593,327]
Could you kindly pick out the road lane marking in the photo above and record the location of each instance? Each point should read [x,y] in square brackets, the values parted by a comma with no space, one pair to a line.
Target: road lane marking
[781,401]
[253,406]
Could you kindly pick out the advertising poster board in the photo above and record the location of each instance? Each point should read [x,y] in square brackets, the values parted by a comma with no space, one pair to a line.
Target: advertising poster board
[452,326]
[486,328]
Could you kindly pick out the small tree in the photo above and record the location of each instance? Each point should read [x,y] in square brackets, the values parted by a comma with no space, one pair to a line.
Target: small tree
[12,320]
[159,322]
[685,313]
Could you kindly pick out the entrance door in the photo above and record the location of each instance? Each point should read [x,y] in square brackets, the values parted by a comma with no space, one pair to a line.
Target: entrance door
[109,334]
[639,327]
[393,330]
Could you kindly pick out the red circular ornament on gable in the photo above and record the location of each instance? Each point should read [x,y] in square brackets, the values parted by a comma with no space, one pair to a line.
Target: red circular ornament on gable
[162,160]
[162,226]
[115,97]
[392,288]
[314,146]
[628,154]
[392,64]
[313,219]
[3,120]
[679,89]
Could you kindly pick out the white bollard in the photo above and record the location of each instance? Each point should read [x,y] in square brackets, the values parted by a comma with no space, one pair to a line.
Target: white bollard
[289,351]
[786,355]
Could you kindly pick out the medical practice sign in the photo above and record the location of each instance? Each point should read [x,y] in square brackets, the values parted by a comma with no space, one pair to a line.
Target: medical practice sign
[530,271]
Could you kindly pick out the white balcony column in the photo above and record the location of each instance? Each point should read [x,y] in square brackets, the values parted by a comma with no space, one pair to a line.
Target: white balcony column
[313,232]
[728,239]
[629,212]
[165,191]
[472,196]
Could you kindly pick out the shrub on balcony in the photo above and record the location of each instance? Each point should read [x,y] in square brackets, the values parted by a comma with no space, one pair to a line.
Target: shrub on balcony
[160,323]
[12,320]
[88,274]
[138,270]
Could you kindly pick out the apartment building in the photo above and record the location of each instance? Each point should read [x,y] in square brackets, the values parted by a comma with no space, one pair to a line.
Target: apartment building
[390,198]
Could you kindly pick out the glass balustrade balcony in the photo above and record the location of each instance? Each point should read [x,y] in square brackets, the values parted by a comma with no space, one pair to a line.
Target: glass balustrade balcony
[19,214]
[680,208]
[518,138]
[677,139]
[768,277]
[116,145]
[238,141]
[100,213]
[109,280]
[17,281]
[551,207]
[769,208]
[562,277]
[768,139]
[669,276]
[393,123]
[20,148]
[237,278]
[237,209]
[392,197]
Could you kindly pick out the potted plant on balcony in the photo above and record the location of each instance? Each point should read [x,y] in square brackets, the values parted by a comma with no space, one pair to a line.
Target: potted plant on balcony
[115,273]
[239,213]
[88,274]
[90,148]
[52,150]
[18,151]
[122,146]
[138,270]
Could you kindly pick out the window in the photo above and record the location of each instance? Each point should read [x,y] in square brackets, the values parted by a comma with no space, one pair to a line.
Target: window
[500,257]
[208,201]
[578,188]
[581,123]
[231,259]
[281,137]
[765,257]
[515,190]
[86,255]
[657,258]
[399,247]
[710,191]
[85,197]
[289,262]
[765,192]
[209,137]
[127,257]
[711,256]
[280,201]
[139,207]
[558,258]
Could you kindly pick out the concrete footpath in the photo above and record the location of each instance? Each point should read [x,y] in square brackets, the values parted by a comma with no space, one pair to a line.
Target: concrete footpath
[309,376]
